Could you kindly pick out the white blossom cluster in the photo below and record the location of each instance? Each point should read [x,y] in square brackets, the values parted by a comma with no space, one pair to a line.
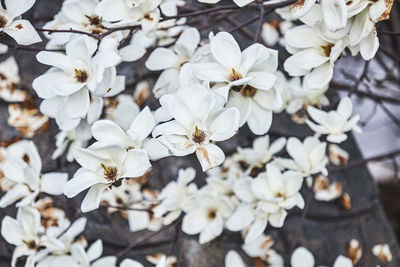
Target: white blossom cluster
[207,89]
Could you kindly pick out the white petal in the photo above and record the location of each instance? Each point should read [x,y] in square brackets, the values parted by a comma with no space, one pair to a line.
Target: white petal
[53,182]
[162,58]
[93,197]
[260,119]
[17,8]
[225,125]
[334,14]
[194,222]
[142,125]
[300,8]
[301,257]
[109,132]
[210,156]
[11,231]
[81,181]
[233,259]
[256,229]
[137,163]
[241,218]
[23,32]
[226,50]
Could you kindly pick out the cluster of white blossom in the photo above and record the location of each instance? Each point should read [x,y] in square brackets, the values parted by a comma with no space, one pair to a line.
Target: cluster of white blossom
[207,90]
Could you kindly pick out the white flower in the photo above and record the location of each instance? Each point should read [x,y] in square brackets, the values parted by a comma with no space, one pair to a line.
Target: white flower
[20,30]
[81,258]
[198,121]
[233,259]
[382,251]
[261,248]
[103,167]
[307,158]
[314,53]
[24,233]
[249,76]
[326,191]
[265,199]
[162,260]
[301,257]
[74,79]
[334,123]
[171,60]
[274,30]
[240,3]
[177,196]
[9,82]
[128,12]
[261,152]
[299,96]
[68,238]
[69,140]
[76,15]
[207,218]
[107,132]
[23,167]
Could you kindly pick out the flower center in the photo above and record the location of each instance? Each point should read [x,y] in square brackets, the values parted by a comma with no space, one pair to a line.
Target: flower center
[198,136]
[3,21]
[30,244]
[234,76]
[212,214]
[248,91]
[81,75]
[326,49]
[110,173]
[95,20]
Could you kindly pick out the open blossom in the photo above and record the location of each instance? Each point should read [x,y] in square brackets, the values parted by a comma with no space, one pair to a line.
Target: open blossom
[144,12]
[261,152]
[298,96]
[171,60]
[81,258]
[23,167]
[314,51]
[20,30]
[265,199]
[108,132]
[177,196]
[25,232]
[207,217]
[103,167]
[308,158]
[334,123]
[72,87]
[302,257]
[261,248]
[199,120]
[247,80]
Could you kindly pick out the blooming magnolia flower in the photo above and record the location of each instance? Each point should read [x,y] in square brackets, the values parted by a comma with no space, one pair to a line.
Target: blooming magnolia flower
[240,3]
[9,82]
[68,237]
[102,167]
[307,158]
[199,120]
[20,30]
[299,96]
[265,199]
[177,196]
[108,132]
[171,60]
[24,233]
[23,167]
[76,15]
[81,258]
[261,248]
[233,259]
[334,123]
[301,257]
[314,51]
[207,218]
[76,77]
[261,152]
[250,74]
[143,12]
